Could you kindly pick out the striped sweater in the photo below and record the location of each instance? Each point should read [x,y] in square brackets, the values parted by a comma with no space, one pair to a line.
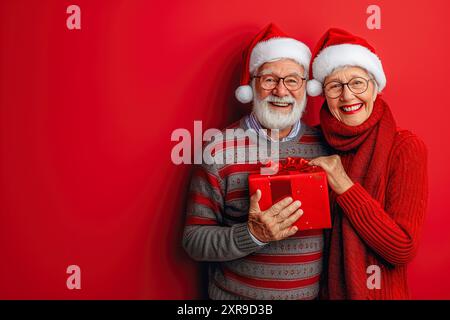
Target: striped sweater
[216,231]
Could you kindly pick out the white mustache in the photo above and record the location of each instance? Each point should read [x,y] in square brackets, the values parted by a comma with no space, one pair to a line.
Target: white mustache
[274,119]
[275,99]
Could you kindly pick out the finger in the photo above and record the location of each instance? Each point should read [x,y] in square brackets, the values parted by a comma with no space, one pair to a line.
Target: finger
[288,232]
[322,163]
[313,162]
[280,205]
[286,212]
[291,219]
[254,200]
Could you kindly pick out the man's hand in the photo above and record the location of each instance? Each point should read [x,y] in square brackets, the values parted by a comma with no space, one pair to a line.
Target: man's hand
[337,177]
[276,222]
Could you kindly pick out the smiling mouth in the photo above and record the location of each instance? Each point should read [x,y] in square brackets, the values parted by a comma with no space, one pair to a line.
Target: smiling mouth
[280,104]
[352,108]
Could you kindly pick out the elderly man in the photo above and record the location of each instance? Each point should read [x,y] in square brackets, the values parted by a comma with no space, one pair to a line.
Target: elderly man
[255,254]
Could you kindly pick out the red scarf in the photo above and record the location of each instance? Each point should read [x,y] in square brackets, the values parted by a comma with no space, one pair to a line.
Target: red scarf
[364,150]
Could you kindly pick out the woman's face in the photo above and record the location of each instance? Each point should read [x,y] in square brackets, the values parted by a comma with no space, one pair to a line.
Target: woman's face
[351,108]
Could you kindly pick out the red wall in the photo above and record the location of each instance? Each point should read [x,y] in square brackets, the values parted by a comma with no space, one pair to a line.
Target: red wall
[87,115]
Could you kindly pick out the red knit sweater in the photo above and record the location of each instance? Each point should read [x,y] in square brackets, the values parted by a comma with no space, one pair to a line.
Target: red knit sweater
[390,231]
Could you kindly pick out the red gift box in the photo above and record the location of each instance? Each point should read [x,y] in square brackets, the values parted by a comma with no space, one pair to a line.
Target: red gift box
[297,179]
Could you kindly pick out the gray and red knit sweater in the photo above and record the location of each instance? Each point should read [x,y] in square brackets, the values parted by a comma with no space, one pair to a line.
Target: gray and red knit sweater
[216,231]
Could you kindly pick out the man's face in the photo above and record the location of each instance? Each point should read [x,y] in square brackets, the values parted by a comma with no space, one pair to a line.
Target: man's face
[280,107]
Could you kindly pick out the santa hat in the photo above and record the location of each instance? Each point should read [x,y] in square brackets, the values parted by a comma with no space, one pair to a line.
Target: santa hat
[338,48]
[268,45]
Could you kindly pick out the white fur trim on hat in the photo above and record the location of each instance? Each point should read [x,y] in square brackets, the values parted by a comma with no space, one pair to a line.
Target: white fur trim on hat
[278,48]
[348,55]
[313,88]
[244,94]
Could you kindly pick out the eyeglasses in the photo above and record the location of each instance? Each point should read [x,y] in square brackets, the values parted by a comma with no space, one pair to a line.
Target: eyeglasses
[270,82]
[356,85]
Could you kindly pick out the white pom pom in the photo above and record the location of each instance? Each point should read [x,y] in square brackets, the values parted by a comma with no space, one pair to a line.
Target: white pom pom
[244,94]
[313,88]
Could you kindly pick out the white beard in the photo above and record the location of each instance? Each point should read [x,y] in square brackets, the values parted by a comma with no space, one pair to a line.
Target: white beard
[272,119]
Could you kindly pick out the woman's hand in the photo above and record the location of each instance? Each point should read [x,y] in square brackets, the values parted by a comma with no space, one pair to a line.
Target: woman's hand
[337,177]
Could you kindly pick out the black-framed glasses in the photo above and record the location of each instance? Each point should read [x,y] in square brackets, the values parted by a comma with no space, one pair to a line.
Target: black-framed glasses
[334,89]
[270,81]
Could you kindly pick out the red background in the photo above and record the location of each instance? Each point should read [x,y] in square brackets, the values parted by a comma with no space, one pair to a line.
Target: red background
[87,115]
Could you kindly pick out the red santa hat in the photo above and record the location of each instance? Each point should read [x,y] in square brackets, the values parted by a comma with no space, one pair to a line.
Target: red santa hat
[338,48]
[268,45]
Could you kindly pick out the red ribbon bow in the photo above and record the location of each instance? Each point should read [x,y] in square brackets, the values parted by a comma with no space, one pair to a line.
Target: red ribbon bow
[292,164]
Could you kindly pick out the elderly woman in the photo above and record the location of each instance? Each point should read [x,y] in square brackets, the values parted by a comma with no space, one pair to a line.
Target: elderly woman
[378,175]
